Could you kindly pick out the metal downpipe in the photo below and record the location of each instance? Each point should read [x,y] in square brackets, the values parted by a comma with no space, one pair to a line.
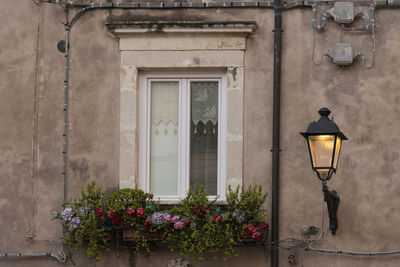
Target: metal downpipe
[276,133]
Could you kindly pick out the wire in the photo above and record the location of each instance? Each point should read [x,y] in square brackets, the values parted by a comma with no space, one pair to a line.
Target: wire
[313,53]
[306,245]
[353,253]
[372,27]
[60,257]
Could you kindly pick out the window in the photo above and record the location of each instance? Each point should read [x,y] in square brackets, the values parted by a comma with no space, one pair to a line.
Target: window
[182,140]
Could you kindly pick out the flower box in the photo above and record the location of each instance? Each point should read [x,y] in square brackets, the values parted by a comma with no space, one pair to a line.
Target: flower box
[130,234]
[247,237]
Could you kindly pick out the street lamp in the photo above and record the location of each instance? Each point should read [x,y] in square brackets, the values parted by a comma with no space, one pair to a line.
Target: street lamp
[324,141]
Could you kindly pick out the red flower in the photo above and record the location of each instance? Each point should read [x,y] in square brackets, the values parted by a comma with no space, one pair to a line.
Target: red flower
[111,214]
[140,212]
[147,224]
[206,209]
[256,235]
[102,218]
[217,219]
[264,225]
[117,220]
[251,229]
[99,212]
[197,208]
[130,211]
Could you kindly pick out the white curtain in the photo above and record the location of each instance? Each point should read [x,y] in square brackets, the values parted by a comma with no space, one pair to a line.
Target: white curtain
[164,138]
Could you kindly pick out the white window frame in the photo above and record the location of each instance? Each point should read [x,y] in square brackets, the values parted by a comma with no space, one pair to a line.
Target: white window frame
[184,80]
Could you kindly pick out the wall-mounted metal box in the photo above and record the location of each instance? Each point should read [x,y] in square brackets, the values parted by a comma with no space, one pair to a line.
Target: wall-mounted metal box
[342,12]
[342,54]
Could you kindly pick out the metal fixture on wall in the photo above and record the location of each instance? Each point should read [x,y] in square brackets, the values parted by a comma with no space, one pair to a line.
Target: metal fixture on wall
[343,54]
[324,140]
[345,13]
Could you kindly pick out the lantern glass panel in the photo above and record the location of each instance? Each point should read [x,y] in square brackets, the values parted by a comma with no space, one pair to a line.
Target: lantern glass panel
[321,149]
[337,151]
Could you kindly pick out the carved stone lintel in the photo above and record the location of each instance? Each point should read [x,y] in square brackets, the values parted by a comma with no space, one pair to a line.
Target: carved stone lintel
[332,200]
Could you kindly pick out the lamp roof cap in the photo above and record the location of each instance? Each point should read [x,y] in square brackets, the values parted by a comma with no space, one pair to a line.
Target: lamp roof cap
[324,126]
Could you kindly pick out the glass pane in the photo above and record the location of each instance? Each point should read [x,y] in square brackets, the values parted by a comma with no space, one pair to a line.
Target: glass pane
[204,135]
[321,148]
[337,151]
[164,138]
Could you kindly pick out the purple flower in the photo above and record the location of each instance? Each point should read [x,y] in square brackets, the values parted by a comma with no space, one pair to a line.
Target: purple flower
[75,222]
[84,210]
[239,215]
[157,218]
[179,225]
[67,214]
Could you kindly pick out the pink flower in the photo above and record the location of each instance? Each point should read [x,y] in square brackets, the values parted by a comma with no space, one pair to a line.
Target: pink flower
[264,225]
[179,225]
[130,211]
[251,229]
[146,224]
[175,219]
[117,220]
[111,214]
[167,217]
[256,235]
[140,212]
[99,212]
[217,219]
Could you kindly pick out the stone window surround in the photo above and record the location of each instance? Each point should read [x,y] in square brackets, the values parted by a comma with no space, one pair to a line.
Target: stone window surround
[180,47]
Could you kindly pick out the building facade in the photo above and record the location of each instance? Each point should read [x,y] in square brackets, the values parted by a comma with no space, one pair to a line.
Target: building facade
[147,80]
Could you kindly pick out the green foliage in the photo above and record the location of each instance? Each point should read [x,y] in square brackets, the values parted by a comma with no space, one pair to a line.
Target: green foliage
[249,201]
[212,228]
[196,225]
[135,199]
[123,198]
[81,224]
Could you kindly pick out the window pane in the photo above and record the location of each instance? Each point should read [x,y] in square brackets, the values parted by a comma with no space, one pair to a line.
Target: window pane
[337,151]
[204,135]
[164,138]
[321,147]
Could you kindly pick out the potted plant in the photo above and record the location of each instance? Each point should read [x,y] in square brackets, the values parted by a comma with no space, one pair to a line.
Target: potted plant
[197,225]
[246,208]
[81,224]
[132,210]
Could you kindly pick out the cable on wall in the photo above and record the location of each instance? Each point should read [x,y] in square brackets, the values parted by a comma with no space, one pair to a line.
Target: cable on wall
[60,257]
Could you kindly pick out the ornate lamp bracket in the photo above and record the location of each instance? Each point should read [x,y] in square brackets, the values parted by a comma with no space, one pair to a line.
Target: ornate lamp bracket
[332,200]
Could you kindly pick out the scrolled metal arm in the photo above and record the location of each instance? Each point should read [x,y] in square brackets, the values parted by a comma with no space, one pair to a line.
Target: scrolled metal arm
[332,200]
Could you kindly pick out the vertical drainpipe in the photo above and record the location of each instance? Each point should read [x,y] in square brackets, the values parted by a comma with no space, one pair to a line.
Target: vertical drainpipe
[276,133]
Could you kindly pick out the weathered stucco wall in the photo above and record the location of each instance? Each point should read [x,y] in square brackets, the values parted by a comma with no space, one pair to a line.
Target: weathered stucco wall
[365,105]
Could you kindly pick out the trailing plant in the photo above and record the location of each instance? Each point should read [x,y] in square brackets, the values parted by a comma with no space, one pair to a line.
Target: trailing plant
[216,229]
[131,208]
[81,224]
[195,225]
